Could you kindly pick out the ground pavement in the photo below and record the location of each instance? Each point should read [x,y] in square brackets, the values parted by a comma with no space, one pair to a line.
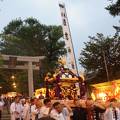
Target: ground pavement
[5,114]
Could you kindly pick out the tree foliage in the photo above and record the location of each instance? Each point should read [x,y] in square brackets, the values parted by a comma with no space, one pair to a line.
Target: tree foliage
[92,56]
[31,38]
[114,8]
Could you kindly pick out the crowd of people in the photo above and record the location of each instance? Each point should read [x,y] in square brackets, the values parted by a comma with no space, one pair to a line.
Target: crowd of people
[37,109]
[46,109]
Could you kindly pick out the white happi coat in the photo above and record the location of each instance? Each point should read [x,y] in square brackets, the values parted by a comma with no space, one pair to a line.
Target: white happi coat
[44,112]
[26,112]
[57,116]
[110,115]
[1,105]
[33,112]
[15,107]
[66,113]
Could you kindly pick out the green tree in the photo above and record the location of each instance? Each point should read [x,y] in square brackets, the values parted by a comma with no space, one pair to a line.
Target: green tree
[114,8]
[98,48]
[5,81]
[31,38]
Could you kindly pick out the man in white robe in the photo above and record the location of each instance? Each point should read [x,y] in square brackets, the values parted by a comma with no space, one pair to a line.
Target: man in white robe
[56,112]
[45,110]
[1,107]
[16,109]
[26,110]
[112,112]
[33,109]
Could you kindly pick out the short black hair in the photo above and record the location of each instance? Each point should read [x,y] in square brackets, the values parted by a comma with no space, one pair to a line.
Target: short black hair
[31,100]
[113,100]
[27,98]
[47,100]
[16,97]
[89,98]
[56,104]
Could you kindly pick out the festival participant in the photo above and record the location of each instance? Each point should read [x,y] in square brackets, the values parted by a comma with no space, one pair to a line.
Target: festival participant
[26,110]
[41,96]
[1,107]
[38,106]
[89,109]
[6,103]
[16,109]
[94,109]
[45,109]
[22,102]
[118,104]
[99,109]
[56,112]
[112,112]
[79,111]
[33,109]
[67,111]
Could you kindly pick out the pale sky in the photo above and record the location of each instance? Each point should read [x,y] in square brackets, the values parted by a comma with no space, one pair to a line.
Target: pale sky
[86,17]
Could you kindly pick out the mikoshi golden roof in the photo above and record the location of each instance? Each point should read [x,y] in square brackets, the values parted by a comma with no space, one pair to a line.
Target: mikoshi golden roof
[68,81]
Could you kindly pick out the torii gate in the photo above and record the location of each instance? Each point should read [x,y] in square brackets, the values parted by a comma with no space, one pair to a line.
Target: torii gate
[29,66]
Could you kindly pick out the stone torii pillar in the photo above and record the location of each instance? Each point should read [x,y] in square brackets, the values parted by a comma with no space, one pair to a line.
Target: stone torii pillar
[30,67]
[30,79]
